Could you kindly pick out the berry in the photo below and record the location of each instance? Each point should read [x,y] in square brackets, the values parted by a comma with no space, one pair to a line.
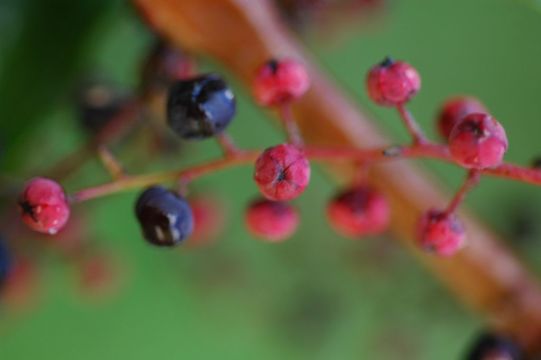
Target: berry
[200,107]
[391,83]
[494,347]
[99,102]
[5,261]
[454,110]
[44,206]
[271,220]
[280,82]
[282,172]
[209,219]
[441,233]
[478,141]
[164,66]
[359,211]
[165,218]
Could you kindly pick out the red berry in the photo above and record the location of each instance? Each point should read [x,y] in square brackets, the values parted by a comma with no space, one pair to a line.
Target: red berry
[279,82]
[454,110]
[359,211]
[441,233]
[282,172]
[478,141]
[44,206]
[208,217]
[271,220]
[392,83]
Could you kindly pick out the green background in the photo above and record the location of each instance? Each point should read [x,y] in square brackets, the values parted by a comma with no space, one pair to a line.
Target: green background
[317,296]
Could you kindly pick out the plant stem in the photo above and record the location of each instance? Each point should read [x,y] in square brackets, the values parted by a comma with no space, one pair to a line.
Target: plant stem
[110,163]
[472,179]
[227,144]
[290,125]
[411,125]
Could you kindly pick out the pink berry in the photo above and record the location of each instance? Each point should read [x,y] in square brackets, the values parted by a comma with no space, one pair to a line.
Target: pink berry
[279,82]
[441,233]
[272,220]
[43,205]
[282,172]
[454,110]
[209,219]
[392,83]
[359,211]
[478,141]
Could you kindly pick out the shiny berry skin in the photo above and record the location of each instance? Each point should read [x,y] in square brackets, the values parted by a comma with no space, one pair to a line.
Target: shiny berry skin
[165,218]
[478,141]
[441,233]
[200,107]
[279,82]
[44,207]
[282,172]
[99,102]
[494,347]
[391,83]
[274,221]
[454,110]
[359,211]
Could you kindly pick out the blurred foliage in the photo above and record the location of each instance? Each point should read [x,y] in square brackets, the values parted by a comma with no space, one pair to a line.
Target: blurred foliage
[317,296]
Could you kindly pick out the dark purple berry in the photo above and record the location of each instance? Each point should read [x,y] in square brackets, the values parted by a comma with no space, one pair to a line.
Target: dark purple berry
[99,102]
[491,347]
[200,107]
[5,261]
[165,217]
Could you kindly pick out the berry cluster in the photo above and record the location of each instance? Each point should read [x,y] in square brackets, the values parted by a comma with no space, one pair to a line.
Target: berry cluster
[199,107]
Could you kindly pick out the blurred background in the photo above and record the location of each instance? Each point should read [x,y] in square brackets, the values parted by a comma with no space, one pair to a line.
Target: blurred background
[104,293]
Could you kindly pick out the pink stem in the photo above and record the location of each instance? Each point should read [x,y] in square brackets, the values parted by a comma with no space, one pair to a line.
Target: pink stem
[290,125]
[472,179]
[227,144]
[411,125]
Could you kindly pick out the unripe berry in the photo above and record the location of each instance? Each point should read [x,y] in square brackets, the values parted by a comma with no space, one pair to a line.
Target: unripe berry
[454,110]
[478,141]
[271,220]
[44,207]
[282,172]
[359,211]
[279,82]
[165,218]
[200,107]
[494,347]
[441,233]
[391,83]
[209,218]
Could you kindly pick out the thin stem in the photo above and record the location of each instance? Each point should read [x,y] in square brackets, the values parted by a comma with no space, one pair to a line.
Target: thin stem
[227,144]
[427,150]
[290,126]
[411,125]
[110,162]
[472,179]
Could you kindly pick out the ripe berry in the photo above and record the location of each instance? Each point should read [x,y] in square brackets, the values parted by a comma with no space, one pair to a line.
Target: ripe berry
[441,233]
[359,211]
[454,110]
[165,217]
[279,82]
[392,83]
[282,172]
[200,107]
[5,261]
[98,102]
[494,347]
[44,207]
[478,141]
[271,220]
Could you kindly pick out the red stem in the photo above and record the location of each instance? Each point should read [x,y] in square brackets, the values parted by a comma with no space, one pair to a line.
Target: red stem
[411,125]
[290,125]
[472,179]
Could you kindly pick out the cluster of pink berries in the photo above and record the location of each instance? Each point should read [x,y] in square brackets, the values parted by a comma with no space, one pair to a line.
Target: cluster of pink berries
[476,141]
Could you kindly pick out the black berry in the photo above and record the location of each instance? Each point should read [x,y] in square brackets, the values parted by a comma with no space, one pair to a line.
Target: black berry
[5,261]
[165,218]
[98,102]
[200,107]
[491,346]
